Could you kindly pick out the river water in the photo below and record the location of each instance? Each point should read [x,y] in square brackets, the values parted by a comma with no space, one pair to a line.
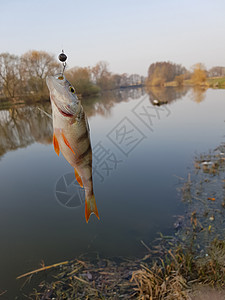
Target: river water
[139,151]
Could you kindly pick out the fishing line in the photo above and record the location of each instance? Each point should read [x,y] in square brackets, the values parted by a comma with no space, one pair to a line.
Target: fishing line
[47,114]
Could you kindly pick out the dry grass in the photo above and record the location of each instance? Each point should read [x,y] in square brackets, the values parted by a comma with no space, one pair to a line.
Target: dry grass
[83,279]
[179,275]
[177,278]
[155,284]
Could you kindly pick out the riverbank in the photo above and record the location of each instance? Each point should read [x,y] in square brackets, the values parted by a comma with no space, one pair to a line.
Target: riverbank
[166,272]
[6,103]
[187,265]
[17,102]
[212,82]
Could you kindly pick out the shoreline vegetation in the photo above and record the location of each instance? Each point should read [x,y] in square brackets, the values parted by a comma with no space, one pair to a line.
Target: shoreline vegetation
[188,265]
[171,74]
[166,272]
[22,78]
[213,82]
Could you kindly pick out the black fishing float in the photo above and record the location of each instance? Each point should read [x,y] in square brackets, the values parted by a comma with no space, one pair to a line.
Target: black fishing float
[62,57]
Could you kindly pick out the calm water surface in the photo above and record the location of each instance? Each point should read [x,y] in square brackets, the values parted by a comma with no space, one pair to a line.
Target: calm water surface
[138,149]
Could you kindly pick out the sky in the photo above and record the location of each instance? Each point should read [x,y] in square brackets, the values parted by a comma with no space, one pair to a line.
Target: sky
[128,34]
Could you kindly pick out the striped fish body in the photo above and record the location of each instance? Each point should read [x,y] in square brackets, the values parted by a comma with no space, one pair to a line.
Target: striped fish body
[72,138]
[74,143]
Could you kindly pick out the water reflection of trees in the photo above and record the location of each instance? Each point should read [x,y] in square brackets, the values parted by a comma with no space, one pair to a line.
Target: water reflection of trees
[22,126]
[198,93]
[103,104]
[166,94]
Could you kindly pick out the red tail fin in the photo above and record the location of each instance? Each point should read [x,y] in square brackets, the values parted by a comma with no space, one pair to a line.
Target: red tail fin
[90,208]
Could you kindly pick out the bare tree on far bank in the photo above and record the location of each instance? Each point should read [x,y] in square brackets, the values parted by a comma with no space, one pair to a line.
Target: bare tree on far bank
[161,72]
[25,76]
[10,75]
[216,72]
[36,66]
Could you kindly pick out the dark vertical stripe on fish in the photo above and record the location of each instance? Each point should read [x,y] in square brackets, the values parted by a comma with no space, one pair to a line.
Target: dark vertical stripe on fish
[90,178]
[85,153]
[88,165]
[83,136]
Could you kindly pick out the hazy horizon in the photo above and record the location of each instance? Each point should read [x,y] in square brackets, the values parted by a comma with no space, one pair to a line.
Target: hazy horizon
[129,35]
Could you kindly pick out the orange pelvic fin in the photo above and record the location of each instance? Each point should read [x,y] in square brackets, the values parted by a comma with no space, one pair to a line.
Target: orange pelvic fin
[67,143]
[90,208]
[78,178]
[56,144]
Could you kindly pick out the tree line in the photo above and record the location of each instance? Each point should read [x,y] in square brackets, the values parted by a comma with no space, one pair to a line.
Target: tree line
[23,77]
[160,73]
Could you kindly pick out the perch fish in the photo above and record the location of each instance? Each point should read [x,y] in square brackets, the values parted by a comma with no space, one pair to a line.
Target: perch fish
[72,135]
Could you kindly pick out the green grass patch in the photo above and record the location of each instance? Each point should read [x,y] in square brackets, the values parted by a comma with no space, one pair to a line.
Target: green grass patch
[216,82]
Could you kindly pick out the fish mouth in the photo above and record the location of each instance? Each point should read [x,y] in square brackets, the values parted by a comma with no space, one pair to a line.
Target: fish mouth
[63,112]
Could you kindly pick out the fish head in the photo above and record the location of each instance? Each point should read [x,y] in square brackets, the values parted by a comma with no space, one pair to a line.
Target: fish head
[63,95]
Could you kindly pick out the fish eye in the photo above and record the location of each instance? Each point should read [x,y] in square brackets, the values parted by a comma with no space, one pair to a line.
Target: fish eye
[60,77]
[72,90]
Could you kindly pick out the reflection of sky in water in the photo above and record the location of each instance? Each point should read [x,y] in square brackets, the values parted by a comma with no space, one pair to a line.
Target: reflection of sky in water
[137,199]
